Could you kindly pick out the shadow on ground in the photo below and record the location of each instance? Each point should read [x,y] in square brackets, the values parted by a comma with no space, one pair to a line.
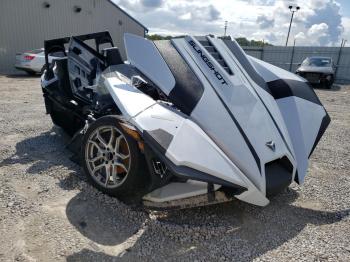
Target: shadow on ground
[107,223]
[335,87]
[22,75]
[42,152]
[238,229]
[235,228]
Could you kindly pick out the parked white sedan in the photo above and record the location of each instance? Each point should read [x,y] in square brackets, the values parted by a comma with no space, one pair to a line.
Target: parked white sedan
[33,62]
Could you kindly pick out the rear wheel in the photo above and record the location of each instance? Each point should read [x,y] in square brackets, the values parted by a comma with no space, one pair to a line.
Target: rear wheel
[111,159]
[69,123]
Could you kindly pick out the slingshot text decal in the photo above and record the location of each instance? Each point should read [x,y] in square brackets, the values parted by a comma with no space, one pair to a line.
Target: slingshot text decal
[208,63]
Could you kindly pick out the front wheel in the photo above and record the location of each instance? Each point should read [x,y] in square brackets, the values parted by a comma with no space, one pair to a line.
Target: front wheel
[111,159]
[329,82]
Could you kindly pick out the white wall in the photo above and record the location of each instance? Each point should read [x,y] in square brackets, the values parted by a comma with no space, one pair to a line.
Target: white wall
[25,24]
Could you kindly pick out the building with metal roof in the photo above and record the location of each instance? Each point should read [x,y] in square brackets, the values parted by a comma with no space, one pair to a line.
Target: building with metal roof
[24,25]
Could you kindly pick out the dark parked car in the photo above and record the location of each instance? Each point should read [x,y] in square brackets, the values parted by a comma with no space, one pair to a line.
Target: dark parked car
[317,70]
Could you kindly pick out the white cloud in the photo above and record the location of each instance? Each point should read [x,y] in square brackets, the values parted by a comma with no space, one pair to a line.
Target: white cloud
[301,38]
[318,3]
[261,2]
[265,22]
[328,12]
[318,22]
[186,16]
[315,35]
[346,33]
[318,30]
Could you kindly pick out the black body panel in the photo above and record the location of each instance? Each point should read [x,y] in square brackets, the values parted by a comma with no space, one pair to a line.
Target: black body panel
[282,88]
[278,175]
[188,89]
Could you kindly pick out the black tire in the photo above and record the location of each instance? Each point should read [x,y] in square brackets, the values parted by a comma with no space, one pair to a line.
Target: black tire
[67,122]
[329,83]
[134,181]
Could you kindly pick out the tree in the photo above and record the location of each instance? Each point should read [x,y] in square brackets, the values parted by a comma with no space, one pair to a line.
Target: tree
[160,37]
[242,41]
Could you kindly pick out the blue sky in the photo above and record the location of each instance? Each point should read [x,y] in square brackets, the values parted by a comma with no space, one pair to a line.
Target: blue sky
[345,7]
[319,22]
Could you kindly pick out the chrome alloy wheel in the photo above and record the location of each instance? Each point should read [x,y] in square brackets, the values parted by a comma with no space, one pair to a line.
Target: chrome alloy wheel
[107,156]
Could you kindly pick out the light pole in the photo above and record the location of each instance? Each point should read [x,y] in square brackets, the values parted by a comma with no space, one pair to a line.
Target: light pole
[293,9]
[226,22]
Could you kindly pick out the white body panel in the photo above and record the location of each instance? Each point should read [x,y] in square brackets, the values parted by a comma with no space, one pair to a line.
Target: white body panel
[190,147]
[303,127]
[193,148]
[249,112]
[159,117]
[301,117]
[243,130]
[269,101]
[129,99]
[271,72]
[175,191]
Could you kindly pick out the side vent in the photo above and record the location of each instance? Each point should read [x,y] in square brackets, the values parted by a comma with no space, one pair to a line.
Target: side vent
[214,53]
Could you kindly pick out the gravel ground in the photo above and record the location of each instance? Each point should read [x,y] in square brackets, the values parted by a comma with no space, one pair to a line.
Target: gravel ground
[49,213]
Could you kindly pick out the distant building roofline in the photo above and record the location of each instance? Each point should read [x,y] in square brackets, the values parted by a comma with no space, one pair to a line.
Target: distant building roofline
[123,11]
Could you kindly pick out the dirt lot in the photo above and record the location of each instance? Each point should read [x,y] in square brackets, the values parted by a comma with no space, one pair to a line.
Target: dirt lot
[49,213]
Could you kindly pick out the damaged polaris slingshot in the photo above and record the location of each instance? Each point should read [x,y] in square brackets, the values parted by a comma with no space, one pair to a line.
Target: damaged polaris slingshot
[190,121]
